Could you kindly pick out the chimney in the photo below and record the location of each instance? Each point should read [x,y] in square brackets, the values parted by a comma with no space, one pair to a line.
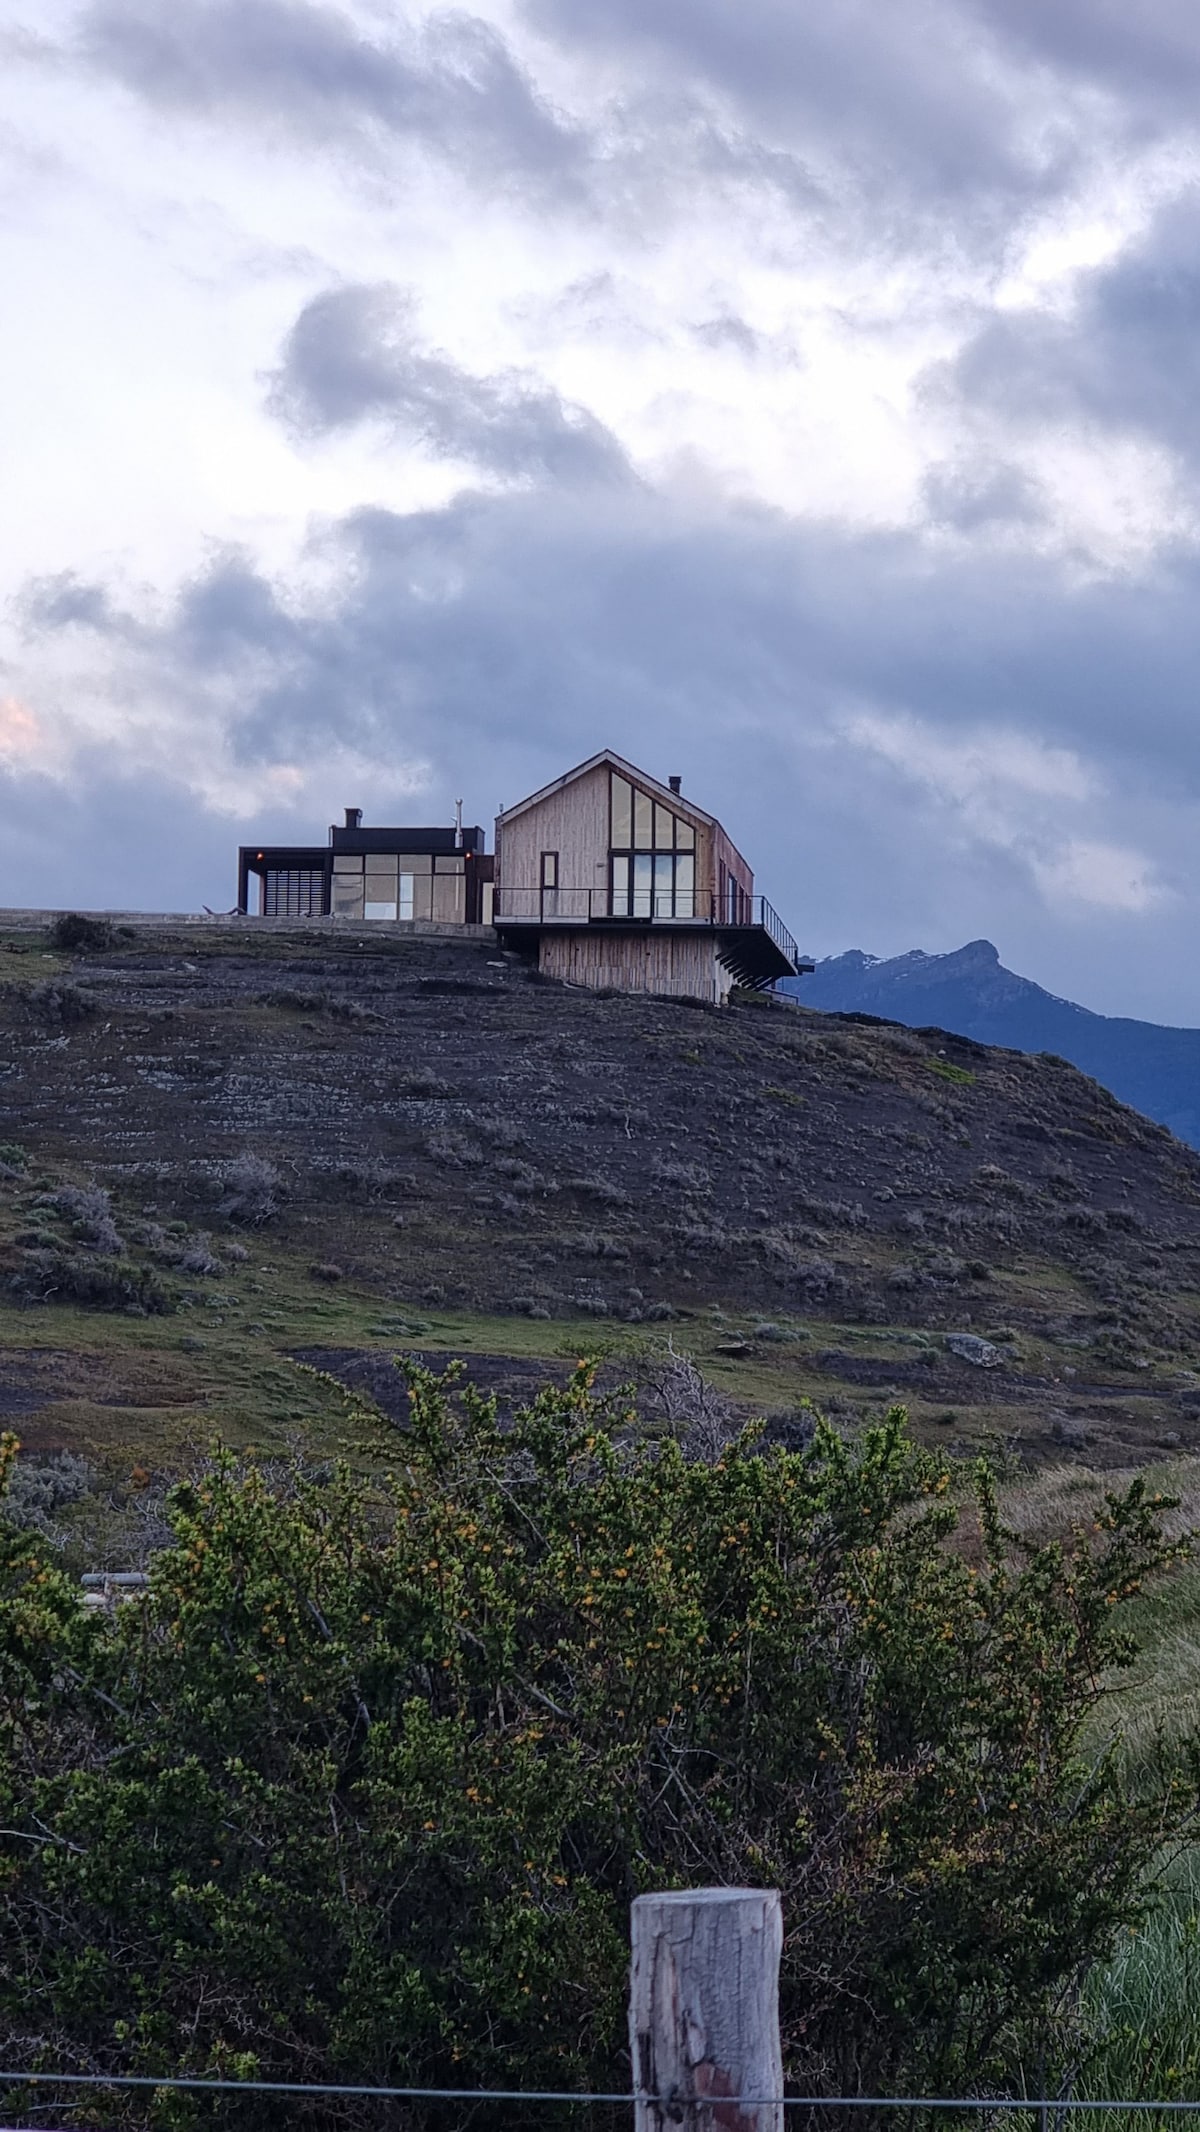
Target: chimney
[458,837]
[675,783]
[354,817]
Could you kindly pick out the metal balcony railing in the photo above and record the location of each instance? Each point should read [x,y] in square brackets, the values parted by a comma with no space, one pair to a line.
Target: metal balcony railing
[591,906]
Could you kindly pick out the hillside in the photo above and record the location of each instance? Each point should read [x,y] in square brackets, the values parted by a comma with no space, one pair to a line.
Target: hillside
[320,1153]
[1156,1069]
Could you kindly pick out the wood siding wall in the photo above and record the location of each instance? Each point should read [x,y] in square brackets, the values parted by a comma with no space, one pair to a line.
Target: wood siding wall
[725,853]
[675,965]
[573,822]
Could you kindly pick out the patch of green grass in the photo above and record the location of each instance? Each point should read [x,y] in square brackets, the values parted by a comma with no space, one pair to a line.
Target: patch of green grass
[1153,1711]
[784,1095]
[947,1071]
[1143,2007]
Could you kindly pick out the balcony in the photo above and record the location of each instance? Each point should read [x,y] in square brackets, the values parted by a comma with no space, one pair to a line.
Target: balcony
[750,937]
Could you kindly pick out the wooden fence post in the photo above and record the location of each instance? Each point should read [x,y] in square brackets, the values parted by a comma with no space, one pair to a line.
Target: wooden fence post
[704,2011]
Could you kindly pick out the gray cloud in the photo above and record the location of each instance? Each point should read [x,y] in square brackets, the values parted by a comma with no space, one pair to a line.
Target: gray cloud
[103,839]
[516,632]
[969,495]
[914,92]
[1151,52]
[64,601]
[353,356]
[729,331]
[306,70]
[451,89]
[1128,357]
[902,125]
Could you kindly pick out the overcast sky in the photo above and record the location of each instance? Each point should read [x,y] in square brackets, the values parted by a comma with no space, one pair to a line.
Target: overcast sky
[401,403]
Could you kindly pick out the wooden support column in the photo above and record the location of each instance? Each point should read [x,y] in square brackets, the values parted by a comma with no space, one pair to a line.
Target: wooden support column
[704,2011]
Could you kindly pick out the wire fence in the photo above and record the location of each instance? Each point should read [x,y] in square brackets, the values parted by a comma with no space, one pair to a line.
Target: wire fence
[1046,2105]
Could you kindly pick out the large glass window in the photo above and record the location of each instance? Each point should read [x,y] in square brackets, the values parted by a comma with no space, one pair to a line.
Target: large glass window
[653,884]
[653,857]
[664,884]
[622,813]
[379,886]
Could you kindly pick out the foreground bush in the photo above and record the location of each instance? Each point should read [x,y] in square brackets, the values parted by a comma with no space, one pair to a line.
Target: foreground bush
[363,1788]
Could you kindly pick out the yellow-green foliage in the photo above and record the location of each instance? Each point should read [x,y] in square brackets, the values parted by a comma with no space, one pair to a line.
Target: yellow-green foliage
[364,1785]
[959,1076]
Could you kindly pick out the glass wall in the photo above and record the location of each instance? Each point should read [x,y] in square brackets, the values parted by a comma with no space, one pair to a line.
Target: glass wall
[652,856]
[411,884]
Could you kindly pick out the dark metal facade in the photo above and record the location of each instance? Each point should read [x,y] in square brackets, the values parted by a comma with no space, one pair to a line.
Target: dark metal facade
[441,875]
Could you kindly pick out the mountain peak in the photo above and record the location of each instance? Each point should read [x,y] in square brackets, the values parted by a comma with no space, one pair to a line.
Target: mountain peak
[970,993]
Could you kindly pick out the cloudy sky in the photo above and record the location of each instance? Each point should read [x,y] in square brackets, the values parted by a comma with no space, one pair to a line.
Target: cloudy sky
[402,402]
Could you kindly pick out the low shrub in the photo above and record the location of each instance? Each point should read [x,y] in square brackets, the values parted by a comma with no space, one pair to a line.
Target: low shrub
[290,1001]
[74,934]
[41,1487]
[691,1176]
[58,1001]
[88,1208]
[251,1188]
[593,1244]
[97,1283]
[500,1131]
[199,1256]
[422,1085]
[602,1189]
[522,1178]
[341,1009]
[454,1150]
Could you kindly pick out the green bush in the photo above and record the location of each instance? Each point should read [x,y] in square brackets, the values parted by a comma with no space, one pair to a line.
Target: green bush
[99,1283]
[72,933]
[362,1789]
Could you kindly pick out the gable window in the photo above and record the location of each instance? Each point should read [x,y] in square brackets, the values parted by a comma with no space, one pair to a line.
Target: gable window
[652,857]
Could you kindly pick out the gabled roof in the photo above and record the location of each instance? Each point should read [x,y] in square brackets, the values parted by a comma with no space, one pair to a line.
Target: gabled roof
[663,793]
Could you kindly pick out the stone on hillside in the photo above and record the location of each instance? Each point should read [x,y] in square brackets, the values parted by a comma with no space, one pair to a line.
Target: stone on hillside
[972,1349]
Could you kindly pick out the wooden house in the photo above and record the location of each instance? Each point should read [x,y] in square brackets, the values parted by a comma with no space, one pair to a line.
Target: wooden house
[617,881]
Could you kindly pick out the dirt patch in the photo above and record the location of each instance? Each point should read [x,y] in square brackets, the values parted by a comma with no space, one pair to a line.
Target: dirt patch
[38,1385]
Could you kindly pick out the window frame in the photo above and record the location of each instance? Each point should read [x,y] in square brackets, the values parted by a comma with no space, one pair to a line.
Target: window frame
[651,889]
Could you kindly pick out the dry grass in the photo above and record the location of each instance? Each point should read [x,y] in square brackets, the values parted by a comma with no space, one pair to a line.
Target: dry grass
[1060,1500]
